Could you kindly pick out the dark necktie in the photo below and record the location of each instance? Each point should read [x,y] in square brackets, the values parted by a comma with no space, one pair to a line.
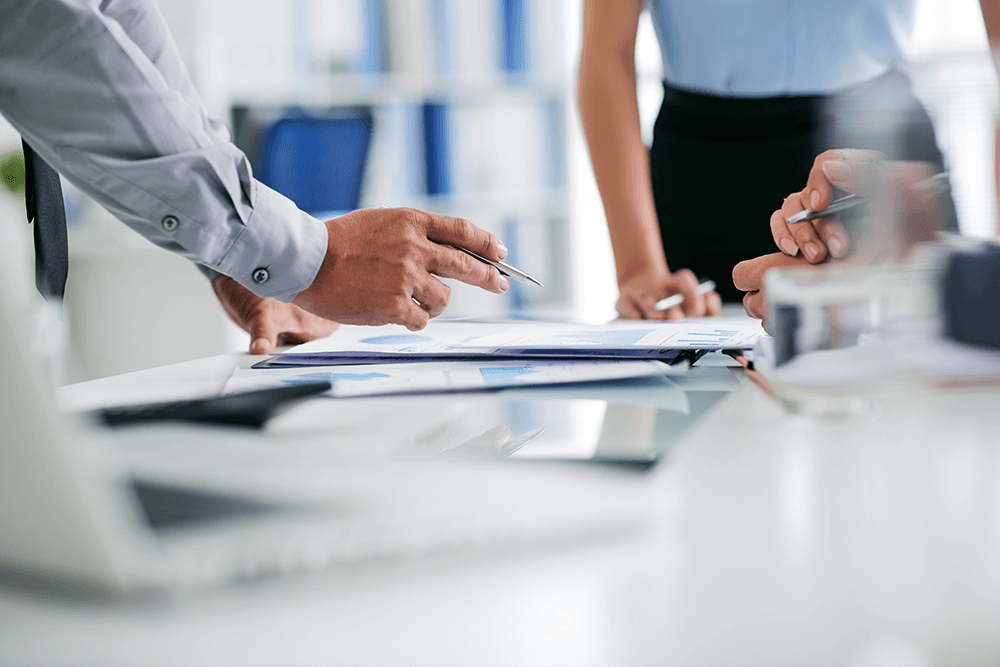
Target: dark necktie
[44,201]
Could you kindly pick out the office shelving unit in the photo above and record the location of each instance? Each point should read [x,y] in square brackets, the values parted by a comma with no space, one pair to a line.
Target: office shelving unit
[469,99]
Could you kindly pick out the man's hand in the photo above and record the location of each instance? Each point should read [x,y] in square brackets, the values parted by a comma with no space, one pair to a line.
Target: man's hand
[748,276]
[640,293]
[269,321]
[380,266]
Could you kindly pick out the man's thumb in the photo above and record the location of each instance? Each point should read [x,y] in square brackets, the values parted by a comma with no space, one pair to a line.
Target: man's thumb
[263,339]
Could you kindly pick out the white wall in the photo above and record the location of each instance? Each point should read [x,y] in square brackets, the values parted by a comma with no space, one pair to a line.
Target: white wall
[957,81]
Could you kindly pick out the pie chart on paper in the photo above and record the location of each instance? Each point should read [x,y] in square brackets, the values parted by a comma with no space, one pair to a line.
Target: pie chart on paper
[396,339]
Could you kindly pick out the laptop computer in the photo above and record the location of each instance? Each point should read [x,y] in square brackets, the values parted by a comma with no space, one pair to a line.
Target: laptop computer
[158,507]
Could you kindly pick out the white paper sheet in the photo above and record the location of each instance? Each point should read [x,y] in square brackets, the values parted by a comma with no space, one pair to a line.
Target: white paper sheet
[694,333]
[388,379]
[436,338]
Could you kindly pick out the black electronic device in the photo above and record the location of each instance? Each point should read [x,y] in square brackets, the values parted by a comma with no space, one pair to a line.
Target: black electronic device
[970,296]
[251,409]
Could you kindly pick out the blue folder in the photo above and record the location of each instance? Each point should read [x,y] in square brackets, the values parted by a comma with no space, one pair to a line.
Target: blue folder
[317,161]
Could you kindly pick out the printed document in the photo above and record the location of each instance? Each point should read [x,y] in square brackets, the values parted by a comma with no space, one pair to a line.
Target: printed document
[473,341]
[394,379]
[710,333]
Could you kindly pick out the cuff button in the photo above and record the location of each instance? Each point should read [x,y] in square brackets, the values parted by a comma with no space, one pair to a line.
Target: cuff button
[170,223]
[261,275]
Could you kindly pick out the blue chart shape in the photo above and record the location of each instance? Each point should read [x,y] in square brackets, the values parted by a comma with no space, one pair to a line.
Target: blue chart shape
[613,337]
[356,376]
[505,374]
[309,378]
[396,339]
[718,336]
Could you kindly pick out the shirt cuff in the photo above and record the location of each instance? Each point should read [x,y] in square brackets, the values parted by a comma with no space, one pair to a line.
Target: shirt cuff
[279,252]
[208,272]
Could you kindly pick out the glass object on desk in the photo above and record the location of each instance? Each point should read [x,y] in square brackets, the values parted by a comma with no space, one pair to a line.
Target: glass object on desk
[836,331]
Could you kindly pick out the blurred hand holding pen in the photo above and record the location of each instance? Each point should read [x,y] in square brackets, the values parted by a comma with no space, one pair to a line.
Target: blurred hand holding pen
[937,184]
[906,196]
[909,205]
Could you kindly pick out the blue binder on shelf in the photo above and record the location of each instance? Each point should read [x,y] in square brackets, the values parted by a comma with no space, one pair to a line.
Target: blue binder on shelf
[436,149]
[317,161]
[514,36]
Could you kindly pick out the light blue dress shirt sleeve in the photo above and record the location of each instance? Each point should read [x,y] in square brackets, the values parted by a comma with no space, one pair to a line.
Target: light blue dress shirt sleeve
[769,48]
[98,90]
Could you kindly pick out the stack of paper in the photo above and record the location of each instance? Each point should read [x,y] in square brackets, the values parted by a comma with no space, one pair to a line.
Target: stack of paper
[467,341]
[396,379]
[478,356]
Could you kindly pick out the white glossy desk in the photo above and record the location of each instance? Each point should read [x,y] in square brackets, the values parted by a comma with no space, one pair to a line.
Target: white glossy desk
[779,540]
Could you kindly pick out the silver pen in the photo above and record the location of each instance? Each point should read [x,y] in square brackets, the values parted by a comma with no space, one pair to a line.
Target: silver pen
[938,183]
[678,299]
[506,269]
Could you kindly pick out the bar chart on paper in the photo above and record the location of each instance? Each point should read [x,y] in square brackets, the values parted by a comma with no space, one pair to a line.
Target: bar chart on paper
[713,338]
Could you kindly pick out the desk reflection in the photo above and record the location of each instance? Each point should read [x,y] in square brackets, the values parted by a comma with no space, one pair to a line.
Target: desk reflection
[631,421]
[634,423]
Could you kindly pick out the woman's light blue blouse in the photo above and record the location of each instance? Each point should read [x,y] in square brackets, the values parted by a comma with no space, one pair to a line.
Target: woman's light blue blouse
[765,48]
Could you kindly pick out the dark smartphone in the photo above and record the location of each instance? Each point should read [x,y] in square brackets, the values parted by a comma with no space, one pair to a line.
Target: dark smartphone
[251,409]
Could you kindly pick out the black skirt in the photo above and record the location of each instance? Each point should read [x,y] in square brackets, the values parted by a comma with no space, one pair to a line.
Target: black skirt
[721,166]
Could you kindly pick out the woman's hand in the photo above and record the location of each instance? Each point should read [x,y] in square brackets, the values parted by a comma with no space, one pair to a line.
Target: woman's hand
[854,171]
[640,293]
[905,211]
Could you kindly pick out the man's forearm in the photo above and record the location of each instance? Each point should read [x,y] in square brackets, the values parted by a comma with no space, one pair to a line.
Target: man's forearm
[94,105]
